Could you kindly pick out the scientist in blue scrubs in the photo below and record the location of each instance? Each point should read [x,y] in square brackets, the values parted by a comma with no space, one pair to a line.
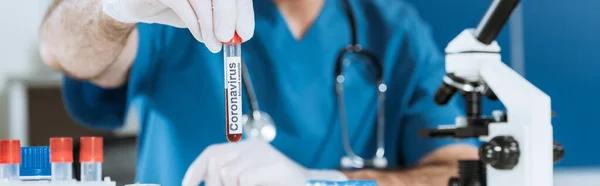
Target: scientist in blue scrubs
[163,58]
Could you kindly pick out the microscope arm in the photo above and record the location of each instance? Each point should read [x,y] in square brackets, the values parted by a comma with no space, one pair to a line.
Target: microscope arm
[529,123]
[520,97]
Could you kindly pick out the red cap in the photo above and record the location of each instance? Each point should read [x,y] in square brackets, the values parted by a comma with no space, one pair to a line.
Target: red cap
[235,40]
[61,150]
[10,152]
[91,150]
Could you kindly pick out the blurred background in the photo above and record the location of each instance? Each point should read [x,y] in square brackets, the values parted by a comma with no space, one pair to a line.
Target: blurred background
[553,43]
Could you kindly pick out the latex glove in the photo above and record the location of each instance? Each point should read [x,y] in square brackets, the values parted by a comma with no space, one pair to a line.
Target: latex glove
[251,163]
[210,21]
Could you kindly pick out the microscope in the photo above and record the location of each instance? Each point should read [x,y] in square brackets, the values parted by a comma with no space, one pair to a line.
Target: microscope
[518,148]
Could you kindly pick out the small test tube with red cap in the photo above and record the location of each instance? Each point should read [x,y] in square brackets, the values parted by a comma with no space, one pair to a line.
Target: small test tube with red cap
[233,88]
[10,160]
[91,158]
[61,158]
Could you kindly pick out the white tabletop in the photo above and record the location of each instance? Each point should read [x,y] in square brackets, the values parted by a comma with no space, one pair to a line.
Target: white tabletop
[577,176]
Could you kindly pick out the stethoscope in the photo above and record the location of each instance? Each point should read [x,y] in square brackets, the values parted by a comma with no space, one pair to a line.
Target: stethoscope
[259,125]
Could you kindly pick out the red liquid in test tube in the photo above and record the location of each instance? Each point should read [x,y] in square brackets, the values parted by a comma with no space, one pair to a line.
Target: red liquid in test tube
[233,88]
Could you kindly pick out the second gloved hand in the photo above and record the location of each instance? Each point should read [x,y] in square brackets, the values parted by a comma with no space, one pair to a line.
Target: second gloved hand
[251,163]
[210,21]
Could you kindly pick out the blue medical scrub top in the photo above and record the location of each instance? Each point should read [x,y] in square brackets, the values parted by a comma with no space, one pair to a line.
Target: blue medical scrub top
[176,86]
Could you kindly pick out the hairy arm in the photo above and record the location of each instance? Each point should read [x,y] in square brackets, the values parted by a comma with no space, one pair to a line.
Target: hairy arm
[434,170]
[78,39]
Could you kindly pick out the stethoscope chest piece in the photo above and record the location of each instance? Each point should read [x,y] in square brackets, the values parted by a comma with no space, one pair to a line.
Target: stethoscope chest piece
[259,126]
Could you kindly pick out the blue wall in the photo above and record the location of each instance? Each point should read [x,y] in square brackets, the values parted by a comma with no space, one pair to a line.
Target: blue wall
[450,17]
[562,57]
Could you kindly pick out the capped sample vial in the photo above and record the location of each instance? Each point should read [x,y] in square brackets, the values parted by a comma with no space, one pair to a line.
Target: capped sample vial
[61,157]
[91,158]
[233,88]
[35,164]
[10,160]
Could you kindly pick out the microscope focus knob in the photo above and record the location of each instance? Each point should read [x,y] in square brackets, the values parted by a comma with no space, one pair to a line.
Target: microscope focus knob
[501,152]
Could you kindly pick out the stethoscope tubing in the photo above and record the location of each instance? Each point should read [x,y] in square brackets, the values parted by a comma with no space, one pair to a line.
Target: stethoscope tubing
[254,106]
[358,161]
[353,48]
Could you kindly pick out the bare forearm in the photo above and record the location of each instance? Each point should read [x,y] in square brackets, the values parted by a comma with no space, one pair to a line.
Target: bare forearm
[425,175]
[434,169]
[80,40]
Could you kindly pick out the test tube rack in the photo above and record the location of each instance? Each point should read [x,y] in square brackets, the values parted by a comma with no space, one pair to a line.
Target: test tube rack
[52,165]
[106,182]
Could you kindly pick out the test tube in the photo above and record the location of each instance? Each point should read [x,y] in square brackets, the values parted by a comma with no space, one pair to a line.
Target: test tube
[61,157]
[91,158]
[10,160]
[233,88]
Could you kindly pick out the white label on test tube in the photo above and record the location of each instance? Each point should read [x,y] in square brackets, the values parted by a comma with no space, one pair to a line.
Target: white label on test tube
[9,172]
[62,171]
[233,94]
[91,171]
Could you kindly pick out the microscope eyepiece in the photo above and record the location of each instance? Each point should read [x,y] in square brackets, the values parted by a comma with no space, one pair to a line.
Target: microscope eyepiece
[494,20]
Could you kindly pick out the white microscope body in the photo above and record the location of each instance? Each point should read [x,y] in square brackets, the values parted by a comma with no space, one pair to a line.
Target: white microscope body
[518,148]
[528,110]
